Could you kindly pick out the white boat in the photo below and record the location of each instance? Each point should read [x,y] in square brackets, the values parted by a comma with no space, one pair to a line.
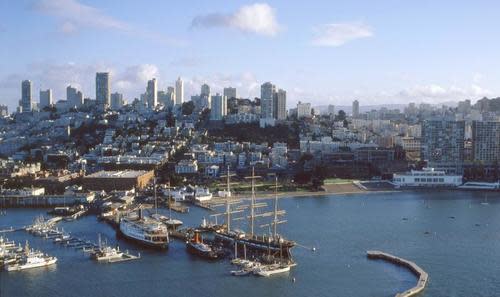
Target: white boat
[107,253]
[269,270]
[144,230]
[241,272]
[31,259]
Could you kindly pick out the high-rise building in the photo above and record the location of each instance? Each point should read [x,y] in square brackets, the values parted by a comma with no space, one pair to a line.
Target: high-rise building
[205,90]
[102,89]
[355,109]
[331,110]
[152,93]
[179,91]
[116,101]
[46,98]
[218,108]
[74,98]
[4,110]
[26,103]
[267,91]
[443,144]
[303,110]
[279,102]
[486,142]
[230,92]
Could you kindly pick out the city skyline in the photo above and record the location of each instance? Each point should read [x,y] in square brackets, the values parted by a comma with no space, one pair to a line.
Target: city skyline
[344,51]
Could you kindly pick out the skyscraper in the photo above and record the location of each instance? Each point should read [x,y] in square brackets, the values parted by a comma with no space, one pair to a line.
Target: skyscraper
[230,92]
[205,90]
[331,110]
[486,142]
[102,89]
[46,98]
[279,102]
[218,107]
[74,98]
[179,91]
[443,144]
[152,93]
[355,109]
[116,101]
[26,96]
[303,110]
[267,91]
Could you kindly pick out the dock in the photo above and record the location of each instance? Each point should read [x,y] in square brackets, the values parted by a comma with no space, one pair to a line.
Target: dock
[423,277]
[126,257]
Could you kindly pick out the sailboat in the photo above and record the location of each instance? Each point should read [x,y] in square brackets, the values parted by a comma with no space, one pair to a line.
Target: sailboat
[274,242]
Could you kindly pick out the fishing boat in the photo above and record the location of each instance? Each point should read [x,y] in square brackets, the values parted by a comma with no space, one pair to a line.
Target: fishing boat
[31,259]
[105,252]
[196,246]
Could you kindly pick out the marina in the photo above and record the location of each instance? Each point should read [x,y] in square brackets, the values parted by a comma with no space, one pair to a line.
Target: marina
[353,218]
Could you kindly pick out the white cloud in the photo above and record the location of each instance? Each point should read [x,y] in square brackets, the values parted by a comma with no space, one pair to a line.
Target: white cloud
[258,18]
[74,16]
[337,34]
[434,93]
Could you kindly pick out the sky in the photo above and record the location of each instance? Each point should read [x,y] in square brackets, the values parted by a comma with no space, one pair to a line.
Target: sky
[323,52]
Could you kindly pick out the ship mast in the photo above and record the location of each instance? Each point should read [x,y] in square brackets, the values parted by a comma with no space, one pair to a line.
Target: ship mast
[228,203]
[154,190]
[252,204]
[275,223]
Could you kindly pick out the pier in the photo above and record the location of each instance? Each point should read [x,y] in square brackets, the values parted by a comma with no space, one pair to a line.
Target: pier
[423,277]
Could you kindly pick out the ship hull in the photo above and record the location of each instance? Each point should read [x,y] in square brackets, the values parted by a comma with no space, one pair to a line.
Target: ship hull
[142,242]
[255,245]
[211,255]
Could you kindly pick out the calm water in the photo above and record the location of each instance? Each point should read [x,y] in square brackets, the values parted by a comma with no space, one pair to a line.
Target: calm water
[461,254]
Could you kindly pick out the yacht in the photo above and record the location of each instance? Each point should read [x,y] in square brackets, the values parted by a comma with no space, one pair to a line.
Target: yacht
[31,259]
[269,270]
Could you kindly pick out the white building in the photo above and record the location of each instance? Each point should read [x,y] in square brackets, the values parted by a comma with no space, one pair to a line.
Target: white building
[179,91]
[303,110]
[218,109]
[428,177]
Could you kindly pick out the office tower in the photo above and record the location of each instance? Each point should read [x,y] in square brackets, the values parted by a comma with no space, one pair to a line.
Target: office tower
[26,98]
[331,110]
[152,93]
[170,99]
[116,101]
[205,90]
[355,109]
[486,142]
[303,110]
[179,91]
[230,92]
[218,108]
[46,98]
[4,110]
[267,91]
[102,89]
[74,98]
[443,144]
[279,108]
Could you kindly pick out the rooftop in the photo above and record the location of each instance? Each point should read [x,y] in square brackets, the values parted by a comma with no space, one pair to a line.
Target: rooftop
[118,174]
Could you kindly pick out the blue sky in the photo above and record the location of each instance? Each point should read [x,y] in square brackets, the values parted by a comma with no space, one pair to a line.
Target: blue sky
[324,52]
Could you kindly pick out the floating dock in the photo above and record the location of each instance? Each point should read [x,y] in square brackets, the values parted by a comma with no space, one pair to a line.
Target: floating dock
[423,277]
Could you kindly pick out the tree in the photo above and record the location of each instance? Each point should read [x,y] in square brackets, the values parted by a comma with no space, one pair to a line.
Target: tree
[341,116]
[187,108]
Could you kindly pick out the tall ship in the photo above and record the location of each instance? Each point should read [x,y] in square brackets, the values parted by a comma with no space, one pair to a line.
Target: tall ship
[273,243]
[144,230]
[31,259]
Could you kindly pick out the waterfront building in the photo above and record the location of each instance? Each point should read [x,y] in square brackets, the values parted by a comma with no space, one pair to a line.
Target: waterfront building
[230,92]
[279,108]
[486,142]
[179,91]
[152,93]
[427,177]
[102,89]
[219,107]
[355,109]
[443,144]
[46,98]
[303,110]
[26,103]
[117,180]
[116,101]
